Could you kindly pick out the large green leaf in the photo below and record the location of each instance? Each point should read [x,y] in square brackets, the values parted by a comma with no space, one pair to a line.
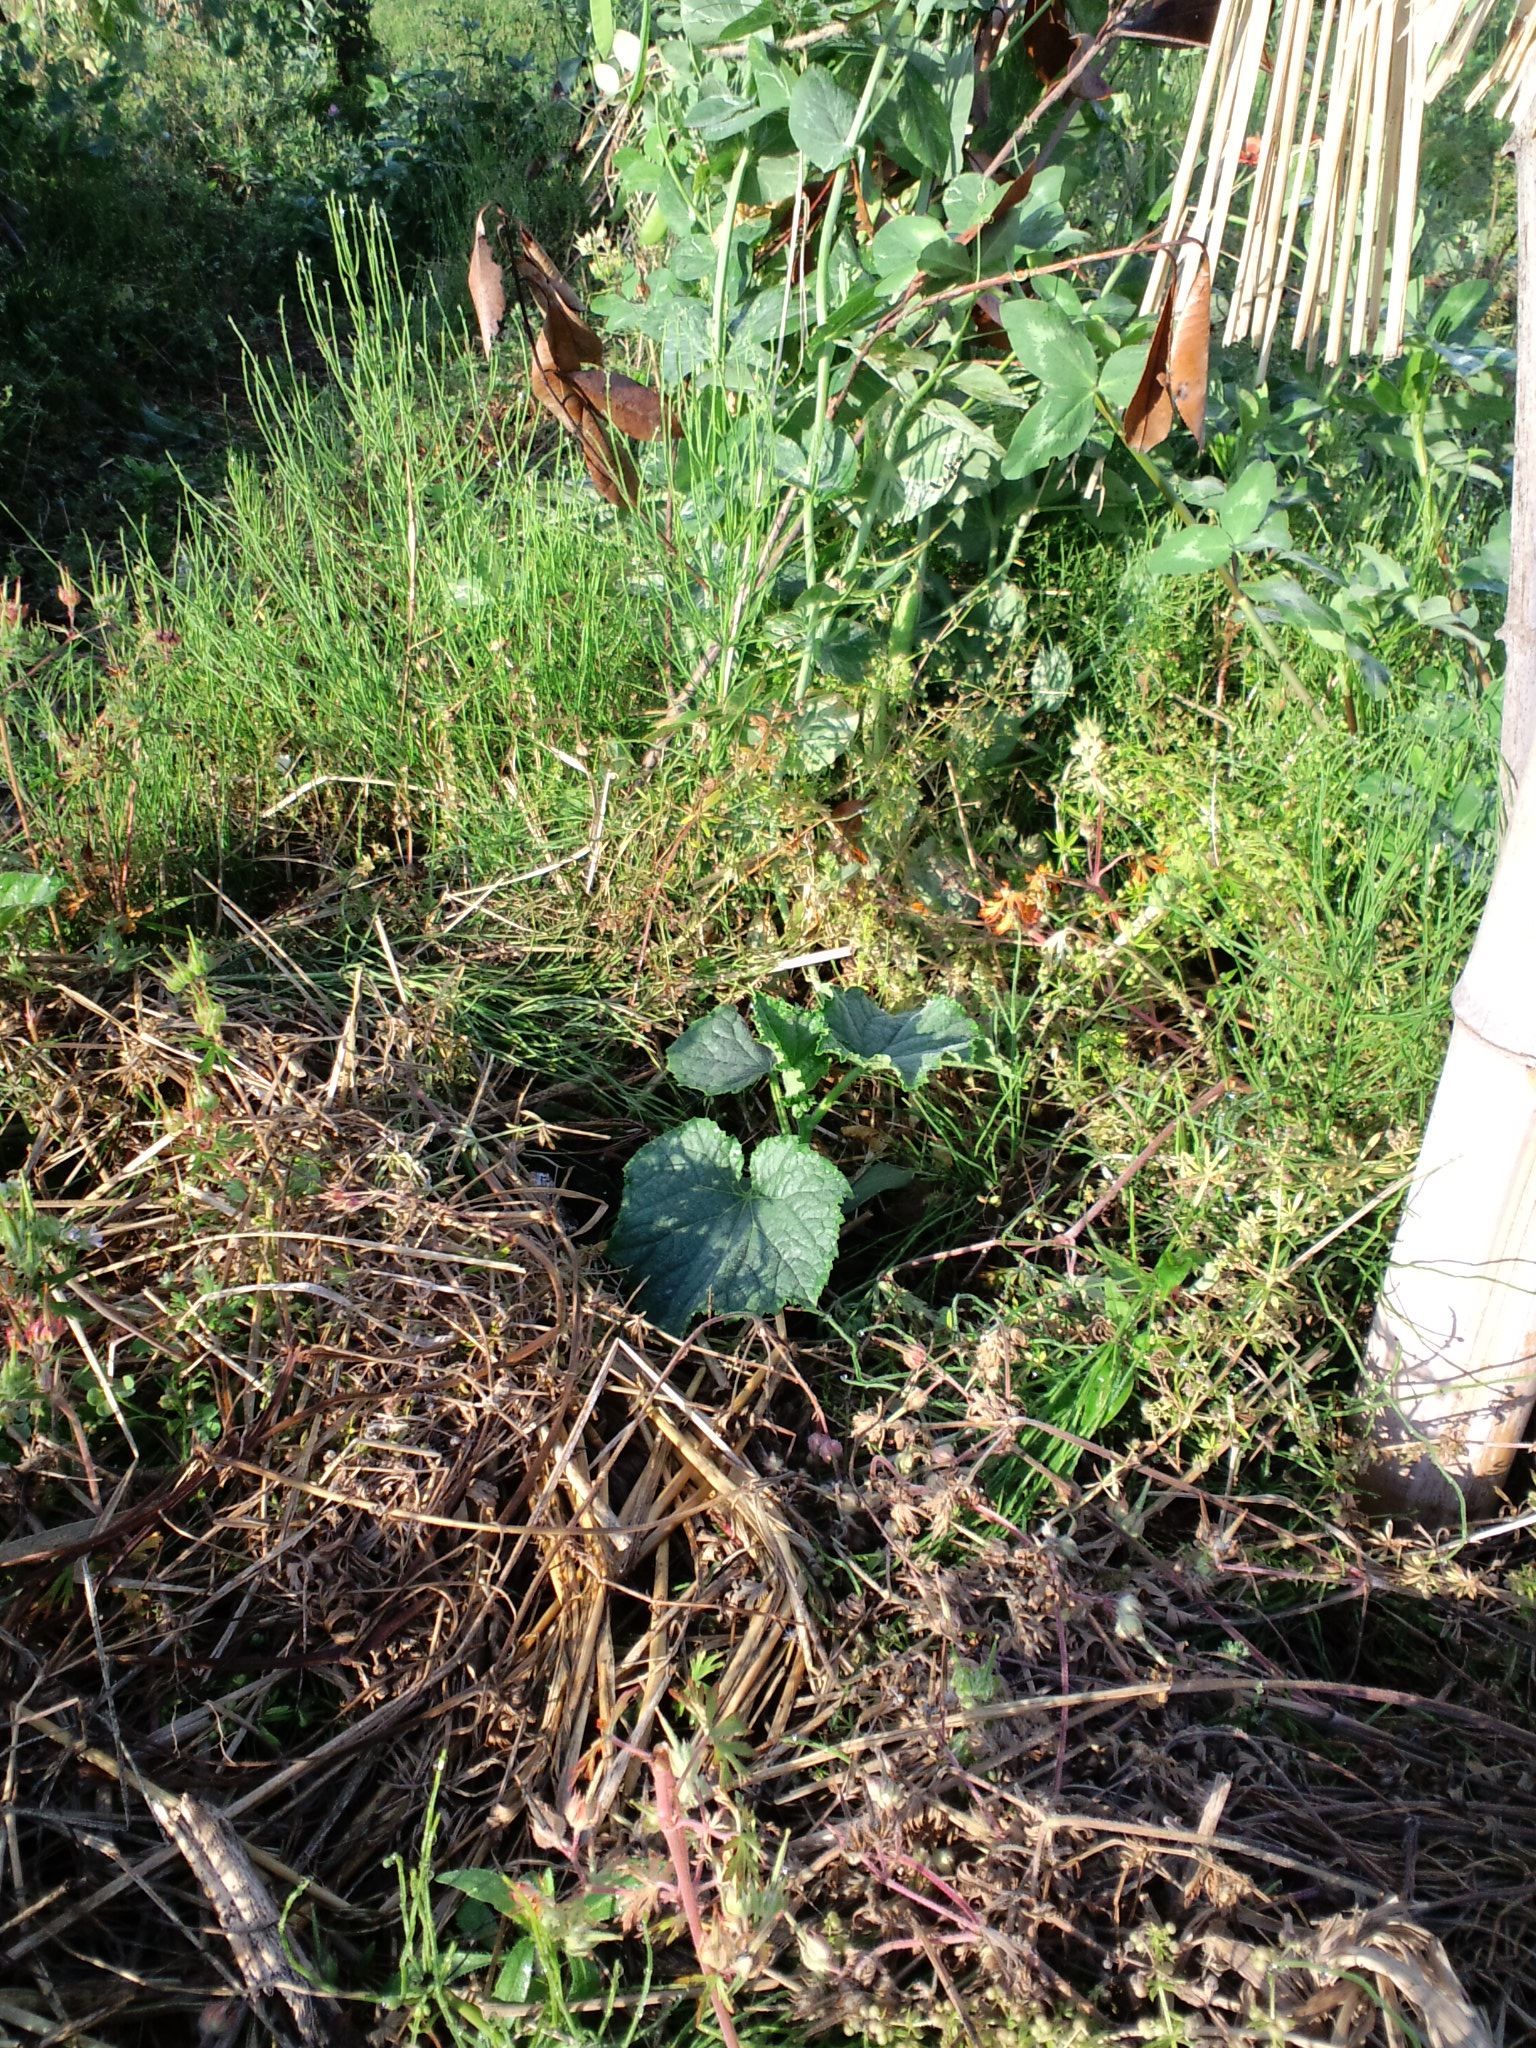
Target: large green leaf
[1051,348]
[24,889]
[1190,551]
[712,21]
[911,1043]
[900,246]
[1054,428]
[970,202]
[923,123]
[820,116]
[1244,506]
[699,1236]
[796,1038]
[937,448]
[718,1055]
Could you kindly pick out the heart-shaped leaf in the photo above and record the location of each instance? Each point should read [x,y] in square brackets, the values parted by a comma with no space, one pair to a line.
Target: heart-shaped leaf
[795,1038]
[699,1236]
[911,1044]
[718,1055]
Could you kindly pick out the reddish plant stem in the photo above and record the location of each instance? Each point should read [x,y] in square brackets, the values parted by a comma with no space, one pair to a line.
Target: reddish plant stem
[675,1834]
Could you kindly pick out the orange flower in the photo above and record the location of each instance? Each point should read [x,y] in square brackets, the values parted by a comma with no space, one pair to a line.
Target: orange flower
[1008,912]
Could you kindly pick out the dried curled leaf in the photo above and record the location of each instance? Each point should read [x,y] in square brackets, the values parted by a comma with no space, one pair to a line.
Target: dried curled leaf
[486,290]
[1148,419]
[542,276]
[1009,913]
[565,375]
[571,341]
[1189,359]
[635,409]
[609,463]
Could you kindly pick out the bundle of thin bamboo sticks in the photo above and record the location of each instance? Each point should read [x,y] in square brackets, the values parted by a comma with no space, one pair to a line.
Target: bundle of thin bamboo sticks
[1372,67]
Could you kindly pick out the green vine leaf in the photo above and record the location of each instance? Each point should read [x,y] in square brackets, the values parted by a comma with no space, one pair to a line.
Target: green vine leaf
[697,1235]
[1052,349]
[718,1055]
[796,1038]
[820,116]
[911,1044]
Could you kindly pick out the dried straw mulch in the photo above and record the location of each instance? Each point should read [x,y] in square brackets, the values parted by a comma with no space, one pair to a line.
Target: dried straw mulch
[334,1455]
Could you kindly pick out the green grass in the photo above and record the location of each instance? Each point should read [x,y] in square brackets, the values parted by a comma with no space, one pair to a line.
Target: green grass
[161,194]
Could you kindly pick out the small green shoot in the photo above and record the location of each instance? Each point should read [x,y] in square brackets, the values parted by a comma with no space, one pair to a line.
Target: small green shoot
[696,1232]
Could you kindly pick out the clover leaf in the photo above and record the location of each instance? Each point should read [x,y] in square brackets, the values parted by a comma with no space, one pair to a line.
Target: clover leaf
[912,1044]
[698,1235]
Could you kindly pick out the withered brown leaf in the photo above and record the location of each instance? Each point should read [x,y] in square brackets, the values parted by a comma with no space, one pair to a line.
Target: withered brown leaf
[587,401]
[609,463]
[486,290]
[1189,358]
[635,409]
[571,340]
[542,276]
[1148,419]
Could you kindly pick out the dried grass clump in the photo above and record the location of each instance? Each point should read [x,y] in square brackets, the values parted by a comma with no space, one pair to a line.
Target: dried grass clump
[397,1488]
[1106,1764]
[377,1474]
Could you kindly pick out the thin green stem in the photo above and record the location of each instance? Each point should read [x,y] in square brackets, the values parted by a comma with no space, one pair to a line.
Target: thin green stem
[727,244]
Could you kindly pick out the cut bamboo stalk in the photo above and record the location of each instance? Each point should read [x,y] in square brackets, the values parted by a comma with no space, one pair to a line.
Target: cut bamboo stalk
[1325,202]
[1406,199]
[1452,1349]
[1383,137]
[1300,163]
[1228,136]
[1268,195]
[1210,78]
[1349,216]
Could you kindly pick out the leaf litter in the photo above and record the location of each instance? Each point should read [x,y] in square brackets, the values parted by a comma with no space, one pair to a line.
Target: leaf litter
[424,1489]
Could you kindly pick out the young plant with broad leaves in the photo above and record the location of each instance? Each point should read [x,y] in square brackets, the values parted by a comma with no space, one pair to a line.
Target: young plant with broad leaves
[700,1228]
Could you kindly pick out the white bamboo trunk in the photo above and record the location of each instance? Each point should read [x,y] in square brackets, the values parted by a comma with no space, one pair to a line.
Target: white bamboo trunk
[1451,1358]
[1452,1349]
